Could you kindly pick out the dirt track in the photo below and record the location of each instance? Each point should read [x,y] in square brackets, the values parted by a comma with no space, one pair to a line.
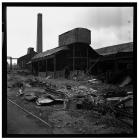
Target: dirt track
[20,122]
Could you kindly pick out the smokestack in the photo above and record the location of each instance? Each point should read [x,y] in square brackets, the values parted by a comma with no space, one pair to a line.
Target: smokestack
[39,33]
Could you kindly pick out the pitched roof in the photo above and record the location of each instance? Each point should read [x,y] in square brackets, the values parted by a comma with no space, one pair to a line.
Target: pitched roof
[49,52]
[126,47]
[26,55]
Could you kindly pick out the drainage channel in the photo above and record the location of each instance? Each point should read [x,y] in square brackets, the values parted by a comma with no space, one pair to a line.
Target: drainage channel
[28,112]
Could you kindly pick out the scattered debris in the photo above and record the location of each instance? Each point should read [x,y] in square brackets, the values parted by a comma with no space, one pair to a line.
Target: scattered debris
[27,85]
[94,81]
[48,101]
[126,81]
[30,96]
[20,92]
[48,77]
[109,101]
[129,92]
[68,87]
[43,101]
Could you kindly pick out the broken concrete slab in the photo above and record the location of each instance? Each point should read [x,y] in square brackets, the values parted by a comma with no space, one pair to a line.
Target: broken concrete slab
[43,101]
[48,101]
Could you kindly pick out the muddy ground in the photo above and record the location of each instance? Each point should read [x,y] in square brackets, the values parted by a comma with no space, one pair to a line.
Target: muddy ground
[67,121]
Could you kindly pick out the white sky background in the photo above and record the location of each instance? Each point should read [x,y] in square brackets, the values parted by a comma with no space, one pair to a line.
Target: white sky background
[108,25]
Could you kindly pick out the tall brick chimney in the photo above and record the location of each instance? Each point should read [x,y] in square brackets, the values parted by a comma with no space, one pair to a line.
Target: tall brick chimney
[39,33]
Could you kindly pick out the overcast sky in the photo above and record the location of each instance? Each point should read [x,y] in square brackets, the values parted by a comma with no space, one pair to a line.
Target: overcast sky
[109,26]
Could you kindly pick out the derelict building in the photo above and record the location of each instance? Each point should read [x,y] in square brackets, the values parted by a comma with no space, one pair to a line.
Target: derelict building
[24,62]
[74,53]
[116,60]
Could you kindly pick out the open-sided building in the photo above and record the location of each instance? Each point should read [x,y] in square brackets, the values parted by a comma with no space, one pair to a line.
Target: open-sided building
[73,54]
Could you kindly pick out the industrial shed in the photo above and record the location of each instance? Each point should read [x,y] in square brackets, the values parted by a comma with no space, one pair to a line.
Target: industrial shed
[115,60]
[74,53]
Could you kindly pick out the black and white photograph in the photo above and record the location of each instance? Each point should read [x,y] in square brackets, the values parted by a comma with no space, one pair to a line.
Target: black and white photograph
[69,69]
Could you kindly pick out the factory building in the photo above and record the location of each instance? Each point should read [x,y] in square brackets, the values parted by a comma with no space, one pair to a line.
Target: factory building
[116,60]
[74,54]
[24,62]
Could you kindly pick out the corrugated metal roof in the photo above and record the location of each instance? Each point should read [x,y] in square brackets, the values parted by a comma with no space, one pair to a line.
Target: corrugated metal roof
[49,52]
[126,47]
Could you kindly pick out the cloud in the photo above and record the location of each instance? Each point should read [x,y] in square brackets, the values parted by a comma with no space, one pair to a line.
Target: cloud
[106,17]
[110,36]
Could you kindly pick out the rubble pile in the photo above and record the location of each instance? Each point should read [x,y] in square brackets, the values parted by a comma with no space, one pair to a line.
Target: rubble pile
[99,97]
[107,99]
[111,100]
[86,105]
